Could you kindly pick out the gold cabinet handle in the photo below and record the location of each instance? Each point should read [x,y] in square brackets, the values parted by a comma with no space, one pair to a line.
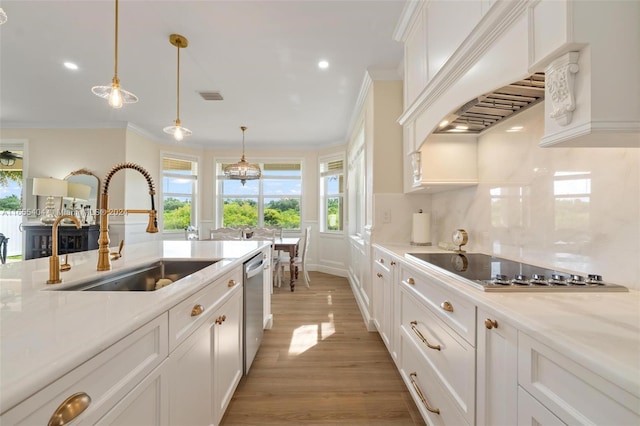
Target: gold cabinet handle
[489,323]
[411,281]
[420,394]
[231,283]
[447,306]
[379,274]
[393,263]
[197,310]
[71,408]
[381,260]
[221,319]
[414,327]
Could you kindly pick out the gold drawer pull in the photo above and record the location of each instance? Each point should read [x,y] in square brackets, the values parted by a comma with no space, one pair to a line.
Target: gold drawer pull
[393,263]
[221,319]
[379,274]
[411,281]
[231,283]
[71,408]
[420,395]
[447,306]
[424,339]
[381,260]
[489,323]
[197,310]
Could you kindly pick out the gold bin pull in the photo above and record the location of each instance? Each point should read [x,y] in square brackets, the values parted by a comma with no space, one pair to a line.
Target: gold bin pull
[411,281]
[231,283]
[414,327]
[420,394]
[447,306]
[70,408]
[489,323]
[197,310]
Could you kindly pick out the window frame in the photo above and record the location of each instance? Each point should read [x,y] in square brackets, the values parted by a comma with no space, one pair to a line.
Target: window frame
[323,163]
[220,196]
[194,186]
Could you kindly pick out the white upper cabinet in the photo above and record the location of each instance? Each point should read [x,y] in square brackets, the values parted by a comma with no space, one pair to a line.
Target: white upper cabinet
[590,52]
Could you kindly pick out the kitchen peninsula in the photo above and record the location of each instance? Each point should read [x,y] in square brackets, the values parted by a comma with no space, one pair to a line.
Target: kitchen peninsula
[52,338]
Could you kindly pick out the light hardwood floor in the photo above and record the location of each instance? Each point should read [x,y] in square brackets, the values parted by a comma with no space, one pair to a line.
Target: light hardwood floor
[319,365]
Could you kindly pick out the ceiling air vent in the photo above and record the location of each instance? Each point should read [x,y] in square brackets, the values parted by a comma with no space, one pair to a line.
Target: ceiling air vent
[211,96]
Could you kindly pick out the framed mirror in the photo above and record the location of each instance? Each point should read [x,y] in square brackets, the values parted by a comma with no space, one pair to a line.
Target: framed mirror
[92,204]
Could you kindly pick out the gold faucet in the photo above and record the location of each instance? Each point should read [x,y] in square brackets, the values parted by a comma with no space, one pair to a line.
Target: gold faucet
[54,260]
[104,261]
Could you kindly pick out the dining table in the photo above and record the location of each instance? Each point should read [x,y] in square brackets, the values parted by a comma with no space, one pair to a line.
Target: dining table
[289,245]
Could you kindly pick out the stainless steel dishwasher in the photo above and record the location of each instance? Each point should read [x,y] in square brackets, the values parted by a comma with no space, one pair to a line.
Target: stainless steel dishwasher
[253,308]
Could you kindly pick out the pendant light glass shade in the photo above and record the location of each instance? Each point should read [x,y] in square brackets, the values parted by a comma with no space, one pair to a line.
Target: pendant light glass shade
[115,94]
[242,170]
[177,131]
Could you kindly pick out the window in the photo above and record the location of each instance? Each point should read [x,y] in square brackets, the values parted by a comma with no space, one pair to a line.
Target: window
[332,194]
[272,200]
[179,193]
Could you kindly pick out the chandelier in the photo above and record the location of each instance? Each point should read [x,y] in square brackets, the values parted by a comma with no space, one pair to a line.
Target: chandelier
[177,130]
[114,93]
[242,170]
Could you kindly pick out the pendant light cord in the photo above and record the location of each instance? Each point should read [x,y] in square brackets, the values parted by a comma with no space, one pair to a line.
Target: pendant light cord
[115,67]
[178,86]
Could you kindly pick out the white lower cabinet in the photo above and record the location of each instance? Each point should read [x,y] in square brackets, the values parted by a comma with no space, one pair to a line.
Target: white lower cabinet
[531,412]
[383,277]
[123,381]
[497,371]
[206,367]
[227,350]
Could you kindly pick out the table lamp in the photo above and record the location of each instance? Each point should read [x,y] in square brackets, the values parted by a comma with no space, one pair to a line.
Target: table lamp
[49,187]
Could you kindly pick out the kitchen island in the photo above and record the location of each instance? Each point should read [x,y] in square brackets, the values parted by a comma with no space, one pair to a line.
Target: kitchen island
[506,358]
[46,332]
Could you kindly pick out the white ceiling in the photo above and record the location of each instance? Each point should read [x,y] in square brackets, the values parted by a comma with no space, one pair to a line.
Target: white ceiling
[260,55]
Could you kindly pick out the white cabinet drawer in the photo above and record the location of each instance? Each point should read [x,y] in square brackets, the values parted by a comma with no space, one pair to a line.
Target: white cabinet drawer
[383,260]
[457,312]
[192,312]
[434,402]
[105,378]
[451,357]
[531,412]
[573,393]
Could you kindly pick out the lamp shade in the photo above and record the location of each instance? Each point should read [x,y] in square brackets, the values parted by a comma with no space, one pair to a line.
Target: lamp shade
[78,191]
[50,187]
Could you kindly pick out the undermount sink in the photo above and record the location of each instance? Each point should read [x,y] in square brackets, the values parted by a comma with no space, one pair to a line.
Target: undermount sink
[150,277]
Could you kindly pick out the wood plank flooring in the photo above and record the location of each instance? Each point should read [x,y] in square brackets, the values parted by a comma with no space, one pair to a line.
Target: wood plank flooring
[319,365]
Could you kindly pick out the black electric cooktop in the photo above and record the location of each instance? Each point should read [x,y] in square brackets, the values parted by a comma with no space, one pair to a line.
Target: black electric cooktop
[490,273]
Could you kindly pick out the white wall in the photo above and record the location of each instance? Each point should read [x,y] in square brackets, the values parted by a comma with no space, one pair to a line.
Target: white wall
[604,239]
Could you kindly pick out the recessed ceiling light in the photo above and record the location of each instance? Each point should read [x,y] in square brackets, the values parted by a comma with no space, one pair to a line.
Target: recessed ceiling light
[323,65]
[70,65]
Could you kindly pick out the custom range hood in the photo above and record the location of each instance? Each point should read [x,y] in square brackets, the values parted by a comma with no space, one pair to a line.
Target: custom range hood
[489,109]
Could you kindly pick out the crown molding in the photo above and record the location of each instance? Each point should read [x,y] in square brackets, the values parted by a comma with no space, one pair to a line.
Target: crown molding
[406,18]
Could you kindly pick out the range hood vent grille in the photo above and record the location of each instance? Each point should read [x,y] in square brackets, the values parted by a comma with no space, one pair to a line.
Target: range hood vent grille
[489,109]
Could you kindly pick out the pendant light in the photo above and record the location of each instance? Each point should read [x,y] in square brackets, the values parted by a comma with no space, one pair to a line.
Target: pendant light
[242,170]
[116,95]
[177,130]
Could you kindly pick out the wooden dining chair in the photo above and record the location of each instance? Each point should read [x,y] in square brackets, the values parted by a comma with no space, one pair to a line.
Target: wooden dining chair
[300,261]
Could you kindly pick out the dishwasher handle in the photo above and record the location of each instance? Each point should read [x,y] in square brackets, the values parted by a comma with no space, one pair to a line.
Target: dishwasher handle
[253,267]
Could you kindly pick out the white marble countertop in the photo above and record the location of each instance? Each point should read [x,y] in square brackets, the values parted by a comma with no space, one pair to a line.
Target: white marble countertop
[600,331]
[46,333]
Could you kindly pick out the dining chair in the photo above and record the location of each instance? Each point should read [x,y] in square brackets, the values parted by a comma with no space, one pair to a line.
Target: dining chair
[267,234]
[225,234]
[300,261]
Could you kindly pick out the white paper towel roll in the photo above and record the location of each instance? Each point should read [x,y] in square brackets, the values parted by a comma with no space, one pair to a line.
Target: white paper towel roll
[421,231]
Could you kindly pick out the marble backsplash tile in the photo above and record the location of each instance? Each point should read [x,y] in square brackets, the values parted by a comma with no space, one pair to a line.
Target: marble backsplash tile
[574,209]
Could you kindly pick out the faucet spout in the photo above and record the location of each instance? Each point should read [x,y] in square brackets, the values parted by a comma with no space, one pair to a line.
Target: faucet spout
[104,261]
[54,260]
